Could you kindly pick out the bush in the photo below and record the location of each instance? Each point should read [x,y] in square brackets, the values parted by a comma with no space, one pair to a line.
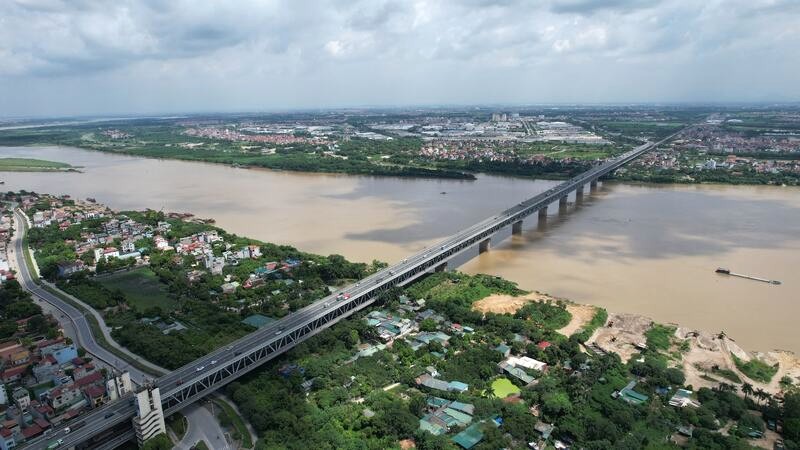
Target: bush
[756,369]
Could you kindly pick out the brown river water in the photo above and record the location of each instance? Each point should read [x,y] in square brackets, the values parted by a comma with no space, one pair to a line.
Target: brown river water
[648,249]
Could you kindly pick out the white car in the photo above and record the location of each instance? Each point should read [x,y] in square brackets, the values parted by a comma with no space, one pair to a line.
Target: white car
[213,361]
[67,430]
[199,368]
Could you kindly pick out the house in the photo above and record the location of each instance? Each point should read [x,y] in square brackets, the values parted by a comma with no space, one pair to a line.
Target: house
[436,336]
[470,437]
[629,395]
[105,253]
[61,352]
[128,246]
[22,398]
[503,349]
[249,252]
[32,431]
[432,383]
[13,374]
[214,264]
[64,396]
[544,429]
[8,349]
[682,399]
[526,362]
[92,378]
[47,368]
[194,276]
[516,372]
[544,345]
[95,395]
[229,288]
[445,414]
[7,439]
[66,269]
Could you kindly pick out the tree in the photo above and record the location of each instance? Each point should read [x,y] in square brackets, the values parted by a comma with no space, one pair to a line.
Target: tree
[158,442]
[761,394]
[427,325]
[555,403]
[747,389]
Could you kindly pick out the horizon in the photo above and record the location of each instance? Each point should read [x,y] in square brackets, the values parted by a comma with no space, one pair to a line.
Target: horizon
[487,107]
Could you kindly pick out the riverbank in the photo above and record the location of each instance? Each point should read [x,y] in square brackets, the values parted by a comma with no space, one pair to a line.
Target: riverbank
[34,165]
[707,359]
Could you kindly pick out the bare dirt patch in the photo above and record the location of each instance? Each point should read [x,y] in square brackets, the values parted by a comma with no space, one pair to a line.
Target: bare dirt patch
[621,334]
[581,315]
[708,351]
[508,304]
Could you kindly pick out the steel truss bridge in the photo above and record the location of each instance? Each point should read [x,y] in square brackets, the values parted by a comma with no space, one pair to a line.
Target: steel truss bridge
[110,425]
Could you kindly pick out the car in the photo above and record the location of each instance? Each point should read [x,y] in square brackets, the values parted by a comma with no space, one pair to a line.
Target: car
[230,347]
[326,304]
[67,430]
[199,368]
[391,272]
[339,296]
[425,255]
[108,415]
[358,284]
[55,444]
[405,260]
[213,361]
[443,247]
[346,296]
[179,382]
[279,332]
[237,353]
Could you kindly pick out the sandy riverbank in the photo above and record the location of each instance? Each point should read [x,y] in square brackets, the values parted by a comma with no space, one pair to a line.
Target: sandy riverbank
[701,354]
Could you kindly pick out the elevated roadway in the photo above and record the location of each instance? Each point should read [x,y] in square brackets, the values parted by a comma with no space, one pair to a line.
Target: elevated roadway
[222,366]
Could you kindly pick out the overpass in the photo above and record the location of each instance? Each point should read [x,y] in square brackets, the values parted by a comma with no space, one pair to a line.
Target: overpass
[109,425]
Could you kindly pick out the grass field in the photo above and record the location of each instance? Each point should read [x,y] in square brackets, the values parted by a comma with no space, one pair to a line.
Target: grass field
[31,165]
[141,287]
[503,387]
[755,369]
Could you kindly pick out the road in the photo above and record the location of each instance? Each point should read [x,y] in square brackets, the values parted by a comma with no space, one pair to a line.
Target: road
[202,426]
[78,327]
[206,374]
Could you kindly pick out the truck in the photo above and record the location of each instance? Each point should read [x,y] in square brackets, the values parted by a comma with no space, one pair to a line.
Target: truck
[55,444]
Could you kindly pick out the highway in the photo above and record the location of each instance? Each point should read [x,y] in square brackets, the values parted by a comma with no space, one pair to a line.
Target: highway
[80,323]
[204,375]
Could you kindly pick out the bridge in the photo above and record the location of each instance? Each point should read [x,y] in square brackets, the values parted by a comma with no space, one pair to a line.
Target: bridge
[110,425]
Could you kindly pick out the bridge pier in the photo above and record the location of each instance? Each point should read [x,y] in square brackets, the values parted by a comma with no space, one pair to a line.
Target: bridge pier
[483,246]
[149,419]
[543,213]
[441,267]
[579,193]
[516,227]
[593,185]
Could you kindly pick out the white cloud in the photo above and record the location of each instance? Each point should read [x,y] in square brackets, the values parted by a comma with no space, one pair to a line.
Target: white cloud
[254,54]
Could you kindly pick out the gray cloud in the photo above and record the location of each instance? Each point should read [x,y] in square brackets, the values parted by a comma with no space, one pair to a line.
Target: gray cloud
[180,55]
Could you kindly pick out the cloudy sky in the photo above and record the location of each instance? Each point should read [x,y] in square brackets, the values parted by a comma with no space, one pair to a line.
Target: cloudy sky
[65,57]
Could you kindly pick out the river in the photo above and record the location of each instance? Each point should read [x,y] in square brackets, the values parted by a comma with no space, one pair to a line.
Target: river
[648,249]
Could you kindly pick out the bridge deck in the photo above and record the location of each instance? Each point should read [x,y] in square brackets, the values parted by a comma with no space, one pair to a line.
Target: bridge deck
[203,376]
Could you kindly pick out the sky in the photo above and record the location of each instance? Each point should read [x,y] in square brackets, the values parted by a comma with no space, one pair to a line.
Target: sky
[83,57]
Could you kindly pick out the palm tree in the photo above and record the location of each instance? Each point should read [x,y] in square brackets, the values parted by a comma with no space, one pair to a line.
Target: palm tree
[747,389]
[762,394]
